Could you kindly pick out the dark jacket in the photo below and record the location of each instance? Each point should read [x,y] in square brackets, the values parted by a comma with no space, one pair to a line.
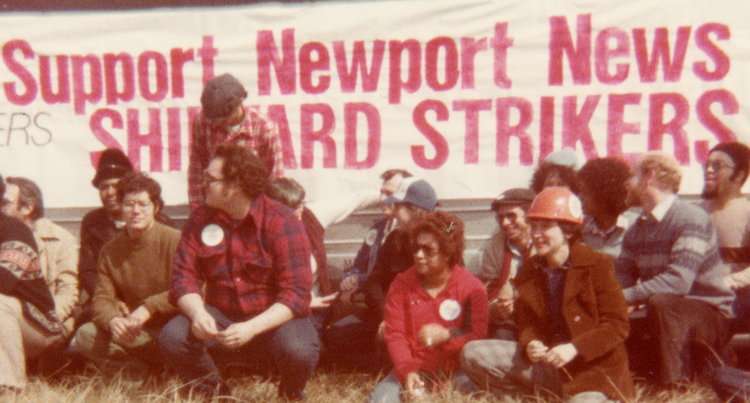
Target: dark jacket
[595,313]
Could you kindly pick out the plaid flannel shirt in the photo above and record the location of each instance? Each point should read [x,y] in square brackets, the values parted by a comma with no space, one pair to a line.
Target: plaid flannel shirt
[247,267]
[254,132]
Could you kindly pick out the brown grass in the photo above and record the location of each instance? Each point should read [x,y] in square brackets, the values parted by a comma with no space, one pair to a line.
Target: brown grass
[326,386]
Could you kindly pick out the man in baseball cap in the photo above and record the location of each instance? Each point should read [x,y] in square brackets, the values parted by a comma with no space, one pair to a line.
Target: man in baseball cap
[223,119]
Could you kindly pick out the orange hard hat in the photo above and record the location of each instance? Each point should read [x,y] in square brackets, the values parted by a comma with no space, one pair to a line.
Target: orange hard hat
[556,203]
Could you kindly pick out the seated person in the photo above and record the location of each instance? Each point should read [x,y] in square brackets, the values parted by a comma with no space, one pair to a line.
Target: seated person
[432,310]
[603,195]
[571,314]
[502,255]
[364,262]
[557,169]
[670,270]
[316,217]
[130,303]
[354,340]
[28,318]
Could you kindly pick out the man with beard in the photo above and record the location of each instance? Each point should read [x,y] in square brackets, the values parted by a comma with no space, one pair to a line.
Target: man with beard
[725,171]
[670,263]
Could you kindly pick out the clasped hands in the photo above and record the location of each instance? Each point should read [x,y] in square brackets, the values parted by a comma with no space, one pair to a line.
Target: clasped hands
[204,327]
[557,356]
[126,328]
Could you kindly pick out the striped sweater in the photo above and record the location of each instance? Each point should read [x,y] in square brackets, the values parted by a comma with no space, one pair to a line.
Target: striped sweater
[677,255]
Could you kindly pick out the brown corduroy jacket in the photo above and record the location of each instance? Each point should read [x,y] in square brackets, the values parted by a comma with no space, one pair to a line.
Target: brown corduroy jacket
[595,312]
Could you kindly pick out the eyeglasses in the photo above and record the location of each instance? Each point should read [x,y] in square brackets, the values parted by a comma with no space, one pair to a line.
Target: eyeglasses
[142,205]
[208,179]
[716,165]
[428,250]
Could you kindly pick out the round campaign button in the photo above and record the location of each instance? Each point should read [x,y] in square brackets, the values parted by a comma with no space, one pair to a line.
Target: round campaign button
[450,309]
[212,235]
[370,237]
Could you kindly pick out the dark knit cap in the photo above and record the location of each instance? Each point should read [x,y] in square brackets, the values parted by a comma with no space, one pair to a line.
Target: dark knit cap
[738,152]
[112,164]
[221,96]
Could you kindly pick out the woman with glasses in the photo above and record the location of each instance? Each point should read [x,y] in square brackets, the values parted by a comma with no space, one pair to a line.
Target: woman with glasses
[130,301]
[432,310]
[571,313]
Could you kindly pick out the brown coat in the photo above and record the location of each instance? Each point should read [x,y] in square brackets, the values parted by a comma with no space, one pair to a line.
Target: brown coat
[596,315]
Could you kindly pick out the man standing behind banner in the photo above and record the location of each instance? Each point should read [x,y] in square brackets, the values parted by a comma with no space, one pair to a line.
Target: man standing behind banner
[243,282]
[224,120]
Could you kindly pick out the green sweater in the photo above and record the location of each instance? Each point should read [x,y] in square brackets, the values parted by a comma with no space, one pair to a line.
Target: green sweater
[136,272]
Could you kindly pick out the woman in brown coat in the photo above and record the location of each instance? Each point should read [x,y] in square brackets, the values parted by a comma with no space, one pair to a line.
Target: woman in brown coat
[571,312]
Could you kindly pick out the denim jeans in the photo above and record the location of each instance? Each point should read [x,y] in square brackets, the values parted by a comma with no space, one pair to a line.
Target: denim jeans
[292,350]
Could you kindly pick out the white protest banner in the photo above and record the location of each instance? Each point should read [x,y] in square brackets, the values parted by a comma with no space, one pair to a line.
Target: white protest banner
[469,95]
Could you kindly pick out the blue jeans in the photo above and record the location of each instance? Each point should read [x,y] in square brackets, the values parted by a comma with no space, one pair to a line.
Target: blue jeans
[292,349]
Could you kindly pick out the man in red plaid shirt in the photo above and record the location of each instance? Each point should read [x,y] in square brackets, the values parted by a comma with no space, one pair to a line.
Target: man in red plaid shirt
[224,120]
[242,279]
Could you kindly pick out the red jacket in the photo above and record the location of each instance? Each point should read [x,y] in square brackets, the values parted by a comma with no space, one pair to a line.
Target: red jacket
[409,307]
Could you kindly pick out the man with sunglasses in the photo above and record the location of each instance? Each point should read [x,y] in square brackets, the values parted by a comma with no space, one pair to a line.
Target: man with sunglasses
[502,255]
[224,120]
[725,172]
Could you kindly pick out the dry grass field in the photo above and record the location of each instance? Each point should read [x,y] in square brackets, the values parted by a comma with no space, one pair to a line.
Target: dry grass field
[327,386]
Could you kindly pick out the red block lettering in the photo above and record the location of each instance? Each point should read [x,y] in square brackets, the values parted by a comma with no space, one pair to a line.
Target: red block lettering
[323,135]
[174,141]
[579,56]
[603,54]
[63,81]
[546,127]
[80,95]
[101,134]
[152,139]
[500,44]
[348,76]
[207,53]
[469,49]
[351,111]
[432,50]
[576,125]
[471,139]
[110,77]
[657,128]
[720,59]
[435,138]
[505,131]
[617,127]
[285,68]
[15,67]
[277,114]
[162,76]
[414,72]
[729,106]
[177,59]
[672,66]
[307,66]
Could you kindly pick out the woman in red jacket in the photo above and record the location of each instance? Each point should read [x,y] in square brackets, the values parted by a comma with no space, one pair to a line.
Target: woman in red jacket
[432,310]
[571,314]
